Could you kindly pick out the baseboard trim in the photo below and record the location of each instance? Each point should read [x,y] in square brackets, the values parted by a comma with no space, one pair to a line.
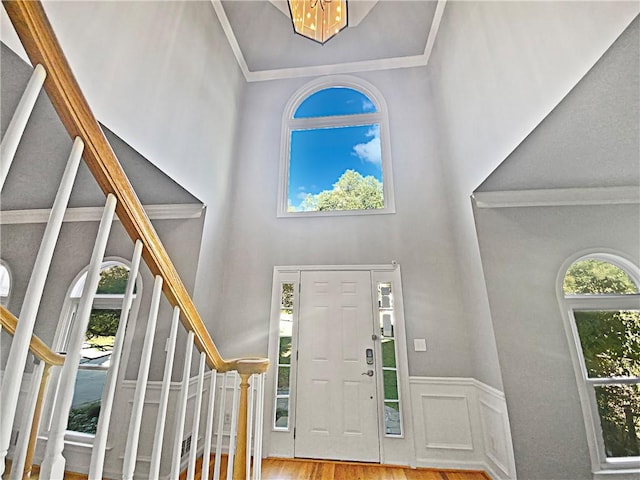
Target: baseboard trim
[451,465]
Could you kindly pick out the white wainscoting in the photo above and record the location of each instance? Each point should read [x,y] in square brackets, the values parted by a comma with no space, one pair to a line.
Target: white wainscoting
[152,401]
[77,452]
[461,423]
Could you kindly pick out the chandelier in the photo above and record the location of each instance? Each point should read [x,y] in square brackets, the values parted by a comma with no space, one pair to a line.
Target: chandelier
[318,20]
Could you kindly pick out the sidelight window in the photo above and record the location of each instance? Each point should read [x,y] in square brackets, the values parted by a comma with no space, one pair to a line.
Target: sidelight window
[392,409]
[283,388]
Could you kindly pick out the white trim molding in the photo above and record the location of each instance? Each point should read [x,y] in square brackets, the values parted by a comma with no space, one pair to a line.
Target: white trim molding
[461,423]
[92,214]
[558,197]
[291,124]
[332,69]
[601,465]
[279,442]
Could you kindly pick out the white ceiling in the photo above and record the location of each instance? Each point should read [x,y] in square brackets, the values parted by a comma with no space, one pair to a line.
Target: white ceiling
[381,34]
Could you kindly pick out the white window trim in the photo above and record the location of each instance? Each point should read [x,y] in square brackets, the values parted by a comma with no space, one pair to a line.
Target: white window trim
[289,124]
[62,333]
[4,299]
[570,303]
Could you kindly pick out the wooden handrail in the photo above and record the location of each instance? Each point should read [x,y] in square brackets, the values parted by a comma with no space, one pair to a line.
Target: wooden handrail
[36,346]
[50,359]
[42,47]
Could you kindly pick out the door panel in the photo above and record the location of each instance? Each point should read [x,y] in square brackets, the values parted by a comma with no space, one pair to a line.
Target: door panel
[336,412]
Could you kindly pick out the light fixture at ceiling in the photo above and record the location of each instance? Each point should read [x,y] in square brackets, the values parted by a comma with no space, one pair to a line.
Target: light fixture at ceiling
[318,20]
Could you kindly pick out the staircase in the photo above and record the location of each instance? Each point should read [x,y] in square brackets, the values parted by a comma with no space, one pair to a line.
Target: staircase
[245,375]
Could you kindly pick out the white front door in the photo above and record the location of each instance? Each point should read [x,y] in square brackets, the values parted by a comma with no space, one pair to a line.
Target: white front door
[336,412]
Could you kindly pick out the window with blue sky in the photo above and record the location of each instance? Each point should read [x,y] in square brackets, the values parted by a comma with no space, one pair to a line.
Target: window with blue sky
[335,154]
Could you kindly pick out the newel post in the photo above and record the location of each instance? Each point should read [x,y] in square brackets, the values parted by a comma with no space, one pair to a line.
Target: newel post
[245,368]
[240,460]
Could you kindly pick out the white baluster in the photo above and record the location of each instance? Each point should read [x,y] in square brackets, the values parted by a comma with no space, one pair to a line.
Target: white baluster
[20,454]
[195,429]
[20,345]
[221,416]
[154,469]
[18,122]
[54,463]
[257,449]
[234,426]
[250,425]
[182,409]
[206,456]
[131,449]
[106,404]
[1,396]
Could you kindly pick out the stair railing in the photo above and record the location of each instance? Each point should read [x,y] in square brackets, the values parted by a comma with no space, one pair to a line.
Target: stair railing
[51,67]
[45,359]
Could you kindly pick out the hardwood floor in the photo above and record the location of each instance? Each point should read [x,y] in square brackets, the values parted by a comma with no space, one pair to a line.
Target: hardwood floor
[301,469]
[298,469]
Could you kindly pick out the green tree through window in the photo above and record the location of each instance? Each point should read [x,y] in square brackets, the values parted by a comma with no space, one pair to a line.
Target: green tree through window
[610,343]
[100,336]
[594,276]
[336,158]
[352,191]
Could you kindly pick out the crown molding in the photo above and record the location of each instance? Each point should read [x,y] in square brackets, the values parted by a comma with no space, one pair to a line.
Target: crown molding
[389,63]
[93,214]
[557,197]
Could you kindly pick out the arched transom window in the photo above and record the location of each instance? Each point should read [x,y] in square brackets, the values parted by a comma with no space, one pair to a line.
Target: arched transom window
[603,306]
[336,157]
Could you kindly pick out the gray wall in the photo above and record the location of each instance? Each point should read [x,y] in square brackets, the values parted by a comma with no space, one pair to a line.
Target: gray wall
[418,236]
[43,154]
[595,128]
[31,183]
[497,69]
[162,76]
[522,252]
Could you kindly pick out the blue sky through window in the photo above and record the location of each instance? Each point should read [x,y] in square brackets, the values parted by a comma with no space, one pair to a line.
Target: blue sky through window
[319,156]
[335,101]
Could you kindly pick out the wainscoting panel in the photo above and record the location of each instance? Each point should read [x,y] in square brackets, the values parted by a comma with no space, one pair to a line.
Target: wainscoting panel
[496,432]
[461,423]
[446,421]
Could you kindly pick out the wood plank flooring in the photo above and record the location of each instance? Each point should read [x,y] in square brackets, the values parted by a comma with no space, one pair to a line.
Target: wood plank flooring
[301,469]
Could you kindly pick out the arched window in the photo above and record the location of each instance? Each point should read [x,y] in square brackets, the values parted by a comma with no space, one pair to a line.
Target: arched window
[5,284]
[335,151]
[602,306]
[100,338]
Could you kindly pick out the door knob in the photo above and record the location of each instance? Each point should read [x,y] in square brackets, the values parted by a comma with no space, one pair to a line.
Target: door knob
[368,373]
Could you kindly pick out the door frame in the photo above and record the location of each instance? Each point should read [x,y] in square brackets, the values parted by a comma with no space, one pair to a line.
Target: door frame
[279,442]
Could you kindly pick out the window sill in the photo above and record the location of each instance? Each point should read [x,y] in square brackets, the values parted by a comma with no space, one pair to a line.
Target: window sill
[74,439]
[337,213]
[622,473]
